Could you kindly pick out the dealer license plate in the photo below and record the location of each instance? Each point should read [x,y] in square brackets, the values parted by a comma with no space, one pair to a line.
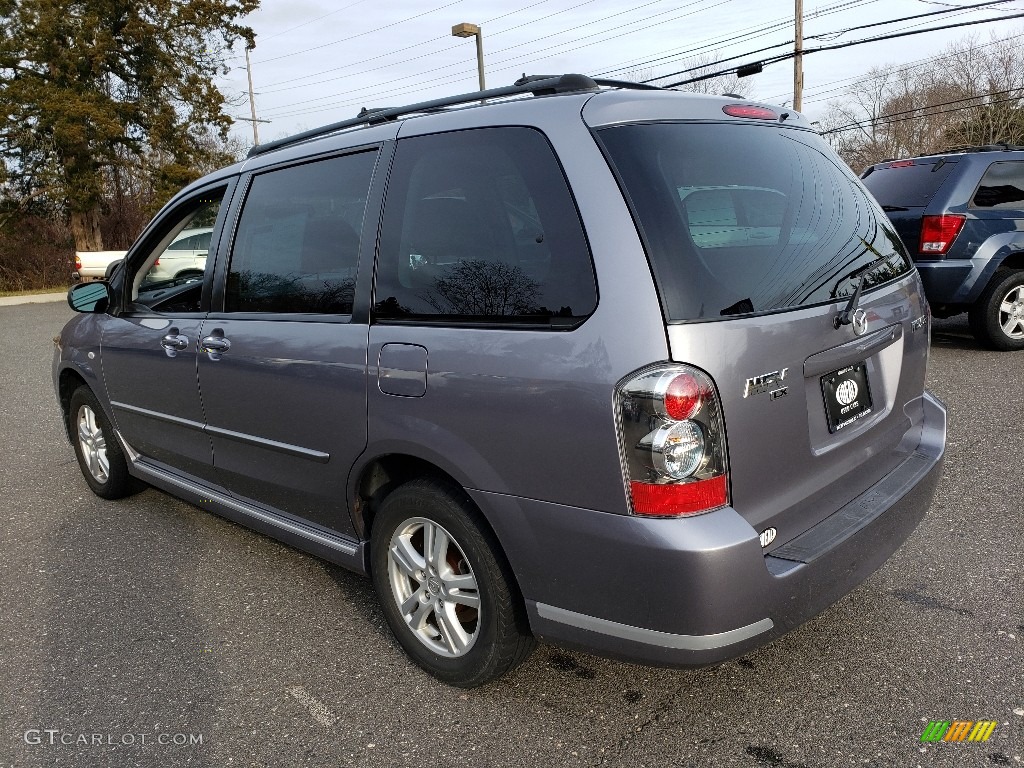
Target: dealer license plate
[847,396]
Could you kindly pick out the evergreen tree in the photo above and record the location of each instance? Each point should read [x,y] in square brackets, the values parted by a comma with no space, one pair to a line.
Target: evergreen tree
[91,87]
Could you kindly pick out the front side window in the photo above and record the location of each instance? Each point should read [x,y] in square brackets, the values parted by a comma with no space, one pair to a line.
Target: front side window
[1002,187]
[743,219]
[183,258]
[480,227]
[296,246]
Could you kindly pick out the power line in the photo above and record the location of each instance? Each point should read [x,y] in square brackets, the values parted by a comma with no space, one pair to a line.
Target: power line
[953,9]
[414,45]
[749,33]
[360,34]
[784,57]
[312,21]
[826,34]
[494,65]
[532,41]
[925,110]
[819,94]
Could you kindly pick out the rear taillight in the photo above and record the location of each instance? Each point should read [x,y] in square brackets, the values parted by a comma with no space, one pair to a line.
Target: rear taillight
[78,264]
[672,441]
[939,232]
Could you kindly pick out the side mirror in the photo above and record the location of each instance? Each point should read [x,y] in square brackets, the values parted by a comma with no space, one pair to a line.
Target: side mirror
[89,297]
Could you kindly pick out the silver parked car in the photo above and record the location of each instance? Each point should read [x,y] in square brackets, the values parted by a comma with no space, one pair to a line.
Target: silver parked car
[620,369]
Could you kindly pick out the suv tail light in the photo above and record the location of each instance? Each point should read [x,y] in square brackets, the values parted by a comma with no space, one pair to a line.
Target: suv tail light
[939,232]
[671,441]
[78,263]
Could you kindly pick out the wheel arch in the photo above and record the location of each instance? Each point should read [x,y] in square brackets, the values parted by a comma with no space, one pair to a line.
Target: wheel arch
[68,380]
[379,476]
[384,473]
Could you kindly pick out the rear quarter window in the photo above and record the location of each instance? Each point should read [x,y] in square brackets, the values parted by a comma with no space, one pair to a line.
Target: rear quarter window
[1002,187]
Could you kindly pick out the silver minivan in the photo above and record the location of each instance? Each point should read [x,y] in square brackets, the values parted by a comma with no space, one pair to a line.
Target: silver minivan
[616,368]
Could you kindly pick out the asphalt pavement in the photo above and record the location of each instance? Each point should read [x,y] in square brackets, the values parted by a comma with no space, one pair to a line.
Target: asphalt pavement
[147,632]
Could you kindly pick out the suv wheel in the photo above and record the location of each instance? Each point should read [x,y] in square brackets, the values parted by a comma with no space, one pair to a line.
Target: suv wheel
[997,318]
[445,589]
[99,454]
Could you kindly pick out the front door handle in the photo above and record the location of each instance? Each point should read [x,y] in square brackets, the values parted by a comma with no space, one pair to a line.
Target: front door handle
[173,342]
[215,344]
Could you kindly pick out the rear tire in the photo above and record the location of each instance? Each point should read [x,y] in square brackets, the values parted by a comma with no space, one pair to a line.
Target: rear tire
[97,448]
[444,586]
[997,318]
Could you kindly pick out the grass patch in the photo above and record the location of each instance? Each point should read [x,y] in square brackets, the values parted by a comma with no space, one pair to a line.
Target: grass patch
[37,291]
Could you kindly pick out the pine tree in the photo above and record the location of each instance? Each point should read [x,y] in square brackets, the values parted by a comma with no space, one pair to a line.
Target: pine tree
[88,87]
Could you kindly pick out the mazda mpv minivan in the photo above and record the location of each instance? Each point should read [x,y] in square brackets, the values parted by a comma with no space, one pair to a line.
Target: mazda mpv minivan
[621,369]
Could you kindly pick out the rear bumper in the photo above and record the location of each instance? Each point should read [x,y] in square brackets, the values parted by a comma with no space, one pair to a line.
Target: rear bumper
[691,592]
[944,280]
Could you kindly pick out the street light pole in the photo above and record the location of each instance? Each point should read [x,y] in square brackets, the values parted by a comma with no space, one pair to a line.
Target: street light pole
[473,30]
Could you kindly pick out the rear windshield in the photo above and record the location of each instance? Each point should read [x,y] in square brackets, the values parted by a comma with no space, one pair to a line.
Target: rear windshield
[743,219]
[907,186]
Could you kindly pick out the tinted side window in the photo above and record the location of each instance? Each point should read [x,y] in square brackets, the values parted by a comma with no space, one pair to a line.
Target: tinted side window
[1001,187]
[480,226]
[297,243]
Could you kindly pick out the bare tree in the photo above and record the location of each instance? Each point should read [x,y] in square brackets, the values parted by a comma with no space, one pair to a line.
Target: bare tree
[969,94]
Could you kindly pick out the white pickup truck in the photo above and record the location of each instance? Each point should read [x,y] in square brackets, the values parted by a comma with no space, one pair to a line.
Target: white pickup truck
[184,257]
[92,265]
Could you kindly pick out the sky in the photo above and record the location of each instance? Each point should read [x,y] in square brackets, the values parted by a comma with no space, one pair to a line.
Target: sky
[317,62]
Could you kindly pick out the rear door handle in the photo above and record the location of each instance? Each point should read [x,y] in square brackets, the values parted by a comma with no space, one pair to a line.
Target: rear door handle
[215,345]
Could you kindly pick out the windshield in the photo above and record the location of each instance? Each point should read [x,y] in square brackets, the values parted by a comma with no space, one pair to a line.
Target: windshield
[741,219]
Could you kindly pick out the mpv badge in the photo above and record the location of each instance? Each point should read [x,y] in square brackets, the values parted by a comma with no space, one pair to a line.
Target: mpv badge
[766,381]
[860,322]
[768,536]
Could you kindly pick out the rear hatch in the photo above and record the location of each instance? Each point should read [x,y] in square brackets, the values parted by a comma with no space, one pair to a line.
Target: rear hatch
[758,237]
[904,189]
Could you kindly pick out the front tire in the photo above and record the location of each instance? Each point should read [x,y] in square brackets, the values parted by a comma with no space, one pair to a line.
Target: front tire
[96,446]
[444,586]
[997,318]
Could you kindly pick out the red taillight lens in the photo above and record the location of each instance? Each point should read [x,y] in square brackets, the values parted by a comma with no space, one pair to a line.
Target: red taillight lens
[156,263]
[748,110]
[672,441]
[939,232]
[679,499]
[78,264]
[683,396]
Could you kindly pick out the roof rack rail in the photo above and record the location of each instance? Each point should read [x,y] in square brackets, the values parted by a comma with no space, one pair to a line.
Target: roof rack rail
[538,85]
[526,79]
[1001,146]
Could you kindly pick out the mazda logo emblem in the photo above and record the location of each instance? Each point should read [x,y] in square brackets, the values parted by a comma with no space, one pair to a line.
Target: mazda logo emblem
[860,322]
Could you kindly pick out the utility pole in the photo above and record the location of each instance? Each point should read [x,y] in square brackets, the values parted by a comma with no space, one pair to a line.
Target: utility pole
[252,99]
[798,58]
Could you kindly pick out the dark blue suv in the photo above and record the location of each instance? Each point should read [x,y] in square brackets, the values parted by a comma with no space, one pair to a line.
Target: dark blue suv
[961,216]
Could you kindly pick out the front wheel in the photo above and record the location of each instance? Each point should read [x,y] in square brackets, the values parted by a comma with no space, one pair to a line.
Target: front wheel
[997,318]
[444,586]
[99,454]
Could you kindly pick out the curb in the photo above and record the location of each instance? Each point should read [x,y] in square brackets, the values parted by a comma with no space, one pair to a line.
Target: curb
[33,298]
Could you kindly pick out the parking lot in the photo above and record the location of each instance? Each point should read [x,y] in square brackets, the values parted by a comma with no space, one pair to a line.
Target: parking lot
[149,632]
